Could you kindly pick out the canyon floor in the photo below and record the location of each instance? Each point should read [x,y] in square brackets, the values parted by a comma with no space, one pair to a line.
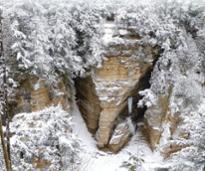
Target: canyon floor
[96,160]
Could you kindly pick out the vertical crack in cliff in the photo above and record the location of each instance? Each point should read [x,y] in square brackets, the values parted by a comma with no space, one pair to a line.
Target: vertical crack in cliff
[88,102]
[137,114]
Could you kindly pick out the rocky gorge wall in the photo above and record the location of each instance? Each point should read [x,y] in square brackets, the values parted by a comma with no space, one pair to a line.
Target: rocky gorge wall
[102,96]
[35,93]
[145,100]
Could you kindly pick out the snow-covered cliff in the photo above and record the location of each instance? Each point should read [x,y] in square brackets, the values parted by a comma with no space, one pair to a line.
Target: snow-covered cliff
[92,57]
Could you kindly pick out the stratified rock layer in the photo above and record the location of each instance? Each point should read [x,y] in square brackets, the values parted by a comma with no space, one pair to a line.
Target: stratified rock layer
[161,126]
[34,94]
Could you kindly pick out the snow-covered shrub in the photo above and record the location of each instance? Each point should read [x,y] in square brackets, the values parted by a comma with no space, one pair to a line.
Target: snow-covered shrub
[149,98]
[44,139]
[134,163]
[192,157]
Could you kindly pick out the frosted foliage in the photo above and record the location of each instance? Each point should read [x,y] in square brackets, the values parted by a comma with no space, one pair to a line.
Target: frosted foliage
[64,36]
[192,156]
[43,139]
[187,94]
[149,98]
[55,37]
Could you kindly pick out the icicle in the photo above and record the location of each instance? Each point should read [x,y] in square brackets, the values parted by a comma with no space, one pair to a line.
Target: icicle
[130,100]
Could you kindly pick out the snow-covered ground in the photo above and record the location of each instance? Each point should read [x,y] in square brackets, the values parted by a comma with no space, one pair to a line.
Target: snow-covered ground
[96,160]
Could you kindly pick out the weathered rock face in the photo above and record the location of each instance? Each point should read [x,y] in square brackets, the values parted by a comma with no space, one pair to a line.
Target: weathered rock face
[161,126]
[114,83]
[154,118]
[34,95]
[103,95]
[120,137]
[88,102]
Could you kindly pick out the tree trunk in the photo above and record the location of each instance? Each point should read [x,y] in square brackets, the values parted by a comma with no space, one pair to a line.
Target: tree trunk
[4,148]
[4,104]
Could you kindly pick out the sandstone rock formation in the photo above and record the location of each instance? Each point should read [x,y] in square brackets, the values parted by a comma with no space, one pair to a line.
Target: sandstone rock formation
[154,118]
[35,94]
[102,96]
[161,126]
[88,102]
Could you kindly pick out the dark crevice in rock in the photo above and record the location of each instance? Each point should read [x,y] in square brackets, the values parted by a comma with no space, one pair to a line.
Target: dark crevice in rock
[137,114]
[88,102]
[144,83]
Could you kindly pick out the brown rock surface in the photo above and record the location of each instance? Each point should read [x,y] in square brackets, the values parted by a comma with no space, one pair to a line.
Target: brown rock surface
[34,95]
[88,102]
[161,126]
[154,118]
[172,148]
[120,137]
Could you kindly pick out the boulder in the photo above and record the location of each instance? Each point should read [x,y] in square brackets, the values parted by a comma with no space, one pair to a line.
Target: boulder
[120,137]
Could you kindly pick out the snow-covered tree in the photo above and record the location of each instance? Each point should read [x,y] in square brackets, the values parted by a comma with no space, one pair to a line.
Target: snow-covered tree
[44,140]
[49,38]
